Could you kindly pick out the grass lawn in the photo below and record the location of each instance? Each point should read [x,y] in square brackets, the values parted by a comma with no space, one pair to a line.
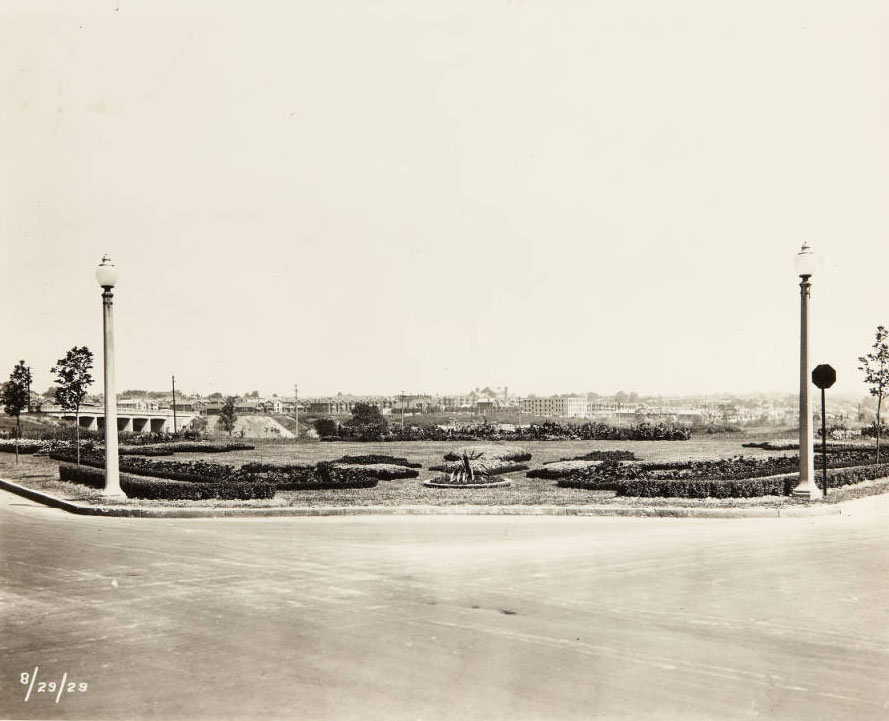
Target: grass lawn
[41,473]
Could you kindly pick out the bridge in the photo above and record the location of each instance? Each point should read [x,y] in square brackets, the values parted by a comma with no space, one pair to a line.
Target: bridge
[129,420]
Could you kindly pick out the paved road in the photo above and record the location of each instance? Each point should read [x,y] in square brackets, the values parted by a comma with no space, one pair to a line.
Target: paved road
[445,617]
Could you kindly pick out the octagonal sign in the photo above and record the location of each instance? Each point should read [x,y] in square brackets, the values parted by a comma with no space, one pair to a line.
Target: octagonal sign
[824,376]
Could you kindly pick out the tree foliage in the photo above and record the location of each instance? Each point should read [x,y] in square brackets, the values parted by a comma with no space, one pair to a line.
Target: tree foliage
[16,397]
[875,366]
[73,377]
[227,415]
[326,427]
[367,422]
[16,391]
[73,380]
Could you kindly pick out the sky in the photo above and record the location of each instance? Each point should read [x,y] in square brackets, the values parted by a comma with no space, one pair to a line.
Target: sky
[375,197]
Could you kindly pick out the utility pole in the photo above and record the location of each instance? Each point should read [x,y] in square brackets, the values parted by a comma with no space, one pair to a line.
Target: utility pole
[175,427]
[296,411]
[402,411]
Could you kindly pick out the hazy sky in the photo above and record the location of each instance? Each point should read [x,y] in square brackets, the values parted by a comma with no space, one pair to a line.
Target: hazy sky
[366,197]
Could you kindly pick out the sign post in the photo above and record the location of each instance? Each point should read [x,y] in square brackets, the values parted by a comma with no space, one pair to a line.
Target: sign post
[824,377]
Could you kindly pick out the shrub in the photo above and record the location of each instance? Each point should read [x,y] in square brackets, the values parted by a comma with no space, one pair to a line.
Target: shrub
[326,427]
[148,488]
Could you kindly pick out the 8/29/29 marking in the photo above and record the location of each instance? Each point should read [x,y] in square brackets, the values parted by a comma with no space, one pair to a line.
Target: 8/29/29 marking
[58,688]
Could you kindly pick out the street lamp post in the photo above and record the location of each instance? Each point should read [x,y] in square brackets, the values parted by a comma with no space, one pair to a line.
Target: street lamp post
[106,274]
[807,488]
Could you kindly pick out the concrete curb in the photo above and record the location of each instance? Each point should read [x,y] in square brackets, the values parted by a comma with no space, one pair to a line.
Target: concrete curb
[800,511]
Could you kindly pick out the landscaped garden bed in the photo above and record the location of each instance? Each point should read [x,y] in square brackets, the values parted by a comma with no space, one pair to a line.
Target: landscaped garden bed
[40,473]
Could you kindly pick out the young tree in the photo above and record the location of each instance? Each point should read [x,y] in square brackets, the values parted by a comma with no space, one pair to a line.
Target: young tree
[875,366]
[73,380]
[227,415]
[16,396]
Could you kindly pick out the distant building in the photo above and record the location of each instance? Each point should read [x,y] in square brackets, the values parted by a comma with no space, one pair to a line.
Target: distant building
[556,407]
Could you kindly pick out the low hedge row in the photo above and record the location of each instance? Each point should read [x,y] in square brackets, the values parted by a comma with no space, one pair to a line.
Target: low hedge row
[701,488]
[848,476]
[150,488]
[377,458]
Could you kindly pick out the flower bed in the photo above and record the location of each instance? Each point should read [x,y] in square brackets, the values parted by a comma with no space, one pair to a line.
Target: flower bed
[303,477]
[25,445]
[693,482]
[136,487]
[193,471]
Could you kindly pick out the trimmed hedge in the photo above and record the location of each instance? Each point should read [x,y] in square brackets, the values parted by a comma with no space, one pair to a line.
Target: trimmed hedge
[849,476]
[150,488]
[700,488]
[377,458]
[561,469]
[380,471]
[604,456]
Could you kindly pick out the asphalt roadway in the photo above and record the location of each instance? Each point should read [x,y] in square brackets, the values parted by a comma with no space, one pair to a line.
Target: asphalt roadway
[430,617]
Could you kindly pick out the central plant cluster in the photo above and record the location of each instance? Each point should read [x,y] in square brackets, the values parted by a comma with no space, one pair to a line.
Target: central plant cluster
[474,466]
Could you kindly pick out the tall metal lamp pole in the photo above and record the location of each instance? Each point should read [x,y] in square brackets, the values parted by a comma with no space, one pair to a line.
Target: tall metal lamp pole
[107,275]
[807,488]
